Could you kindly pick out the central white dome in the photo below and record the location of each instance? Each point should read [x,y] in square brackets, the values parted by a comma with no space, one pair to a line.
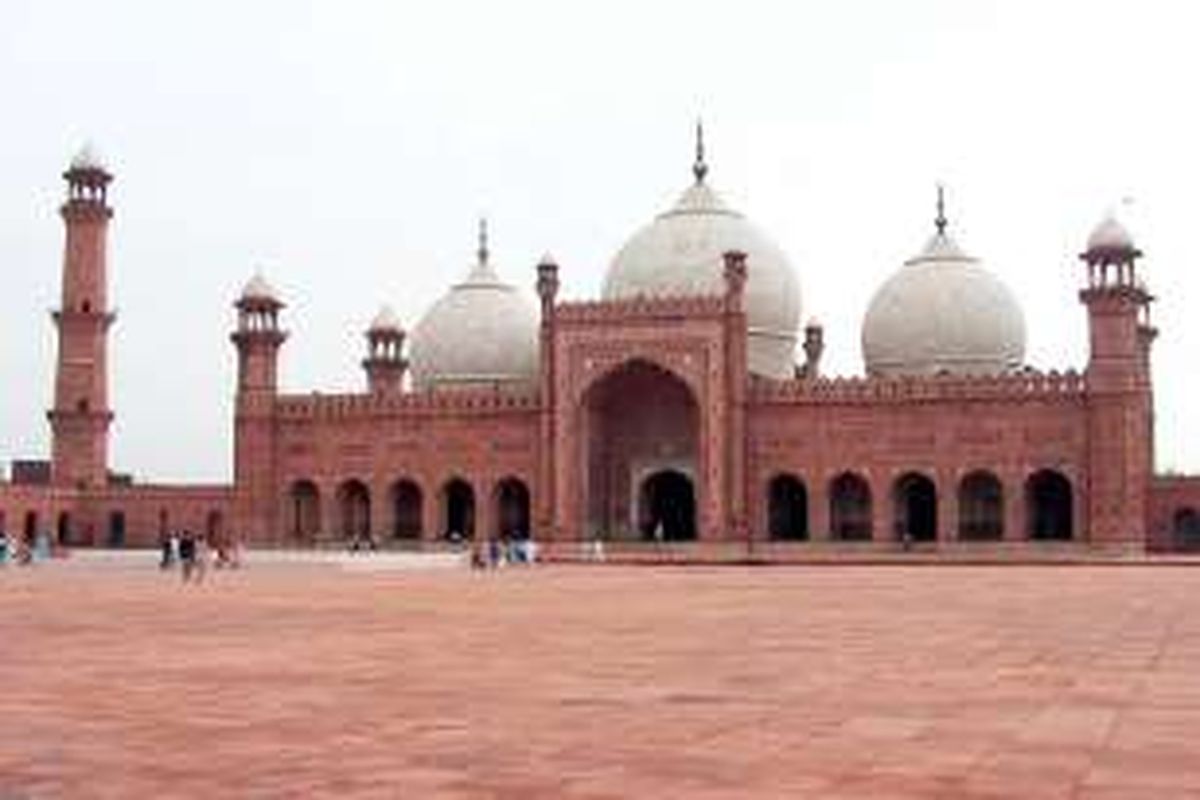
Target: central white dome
[682,253]
[943,312]
[482,332]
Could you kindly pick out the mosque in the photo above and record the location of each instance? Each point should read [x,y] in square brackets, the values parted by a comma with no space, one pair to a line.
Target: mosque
[686,406]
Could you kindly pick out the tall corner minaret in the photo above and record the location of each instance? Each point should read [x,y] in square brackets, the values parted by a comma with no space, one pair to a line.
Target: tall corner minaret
[258,338]
[1119,398]
[81,416]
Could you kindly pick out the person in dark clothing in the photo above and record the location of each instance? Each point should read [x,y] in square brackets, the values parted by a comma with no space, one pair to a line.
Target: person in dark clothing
[187,554]
[168,552]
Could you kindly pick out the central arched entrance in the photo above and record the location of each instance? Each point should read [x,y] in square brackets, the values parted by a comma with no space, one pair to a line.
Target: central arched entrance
[667,507]
[639,427]
[915,501]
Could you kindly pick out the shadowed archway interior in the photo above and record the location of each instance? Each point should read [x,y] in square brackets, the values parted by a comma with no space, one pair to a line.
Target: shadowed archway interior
[639,420]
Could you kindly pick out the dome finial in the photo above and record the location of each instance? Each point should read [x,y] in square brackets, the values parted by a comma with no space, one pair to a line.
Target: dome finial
[699,167]
[482,252]
[940,221]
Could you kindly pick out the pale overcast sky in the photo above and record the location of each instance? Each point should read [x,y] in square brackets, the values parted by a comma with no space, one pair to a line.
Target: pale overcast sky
[348,148]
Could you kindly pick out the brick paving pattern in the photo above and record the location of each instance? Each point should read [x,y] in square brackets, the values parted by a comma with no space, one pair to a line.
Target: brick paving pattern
[585,682]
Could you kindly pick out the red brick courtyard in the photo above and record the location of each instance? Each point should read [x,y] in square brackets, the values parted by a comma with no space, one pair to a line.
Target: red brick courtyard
[593,682]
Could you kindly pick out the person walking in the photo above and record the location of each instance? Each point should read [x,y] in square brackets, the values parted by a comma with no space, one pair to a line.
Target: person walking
[166,550]
[187,555]
[203,556]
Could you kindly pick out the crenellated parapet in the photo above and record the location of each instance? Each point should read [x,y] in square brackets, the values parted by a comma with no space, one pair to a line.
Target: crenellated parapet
[341,406]
[640,307]
[1053,386]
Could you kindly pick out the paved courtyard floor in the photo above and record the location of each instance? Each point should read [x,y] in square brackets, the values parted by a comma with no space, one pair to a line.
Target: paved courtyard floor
[593,682]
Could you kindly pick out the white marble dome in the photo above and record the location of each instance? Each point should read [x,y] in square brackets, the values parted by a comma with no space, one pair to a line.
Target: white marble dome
[482,332]
[258,289]
[1110,234]
[943,312]
[88,158]
[682,253]
[385,321]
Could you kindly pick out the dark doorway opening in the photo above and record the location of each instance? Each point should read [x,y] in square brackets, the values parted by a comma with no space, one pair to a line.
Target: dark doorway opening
[1048,498]
[305,502]
[980,507]
[407,505]
[512,509]
[1187,529]
[787,509]
[458,500]
[116,529]
[354,500]
[850,508]
[667,507]
[915,499]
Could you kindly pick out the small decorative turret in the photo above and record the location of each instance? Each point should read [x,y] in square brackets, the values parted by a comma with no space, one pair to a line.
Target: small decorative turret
[1111,256]
[258,335]
[814,346]
[547,284]
[385,364]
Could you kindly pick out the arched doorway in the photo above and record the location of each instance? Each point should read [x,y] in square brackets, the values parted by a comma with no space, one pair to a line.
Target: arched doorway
[512,509]
[980,507]
[354,510]
[850,507]
[304,507]
[1186,526]
[458,509]
[638,420]
[64,529]
[667,507]
[787,508]
[1050,506]
[116,529]
[914,498]
[29,534]
[407,508]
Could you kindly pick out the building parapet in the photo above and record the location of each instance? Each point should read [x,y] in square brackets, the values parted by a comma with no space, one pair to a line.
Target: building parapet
[1069,386]
[643,307]
[326,406]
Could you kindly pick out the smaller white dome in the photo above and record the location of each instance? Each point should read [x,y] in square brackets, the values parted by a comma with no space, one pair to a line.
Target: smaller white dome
[482,332]
[943,312]
[87,158]
[385,321]
[257,288]
[1110,234]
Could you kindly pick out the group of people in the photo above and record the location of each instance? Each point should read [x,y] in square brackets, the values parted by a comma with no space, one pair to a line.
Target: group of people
[196,554]
[22,551]
[498,552]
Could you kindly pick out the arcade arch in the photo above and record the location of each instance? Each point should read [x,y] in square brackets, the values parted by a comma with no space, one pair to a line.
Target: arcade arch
[458,509]
[980,507]
[1050,507]
[407,507]
[850,507]
[304,511]
[787,508]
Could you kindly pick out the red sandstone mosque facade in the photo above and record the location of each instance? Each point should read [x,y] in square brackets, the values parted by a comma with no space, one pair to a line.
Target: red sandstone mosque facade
[673,408]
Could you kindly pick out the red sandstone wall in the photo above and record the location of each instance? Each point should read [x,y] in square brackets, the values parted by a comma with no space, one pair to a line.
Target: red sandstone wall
[136,513]
[483,440]
[815,436]
[1169,496]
